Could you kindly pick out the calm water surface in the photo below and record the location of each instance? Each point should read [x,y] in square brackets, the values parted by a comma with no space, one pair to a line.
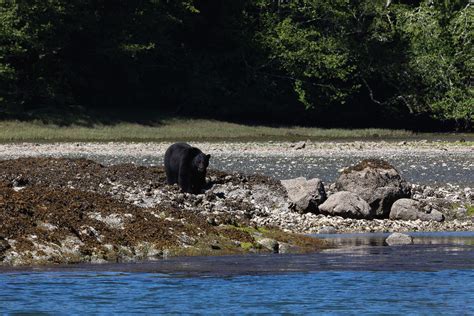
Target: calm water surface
[434,276]
[422,168]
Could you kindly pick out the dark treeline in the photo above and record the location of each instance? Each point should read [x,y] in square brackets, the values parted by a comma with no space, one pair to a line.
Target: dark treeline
[313,62]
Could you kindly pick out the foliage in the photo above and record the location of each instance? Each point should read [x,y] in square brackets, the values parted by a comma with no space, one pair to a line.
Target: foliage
[307,44]
[59,52]
[322,61]
[441,58]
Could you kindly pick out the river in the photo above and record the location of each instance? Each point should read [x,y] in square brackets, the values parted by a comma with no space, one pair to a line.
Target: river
[360,275]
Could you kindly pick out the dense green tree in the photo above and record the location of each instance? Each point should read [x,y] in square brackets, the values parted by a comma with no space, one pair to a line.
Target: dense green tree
[332,62]
[60,52]
[441,59]
[306,45]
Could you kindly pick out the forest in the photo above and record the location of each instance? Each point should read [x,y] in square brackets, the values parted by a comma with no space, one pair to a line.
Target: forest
[327,63]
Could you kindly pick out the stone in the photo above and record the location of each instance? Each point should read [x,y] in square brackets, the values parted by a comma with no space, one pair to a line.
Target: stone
[215,245]
[428,192]
[399,239]
[346,204]
[186,240]
[327,230]
[305,195]
[300,145]
[410,210]
[147,250]
[268,243]
[375,181]
[285,248]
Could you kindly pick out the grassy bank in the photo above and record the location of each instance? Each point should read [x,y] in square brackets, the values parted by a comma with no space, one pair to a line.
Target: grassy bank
[192,130]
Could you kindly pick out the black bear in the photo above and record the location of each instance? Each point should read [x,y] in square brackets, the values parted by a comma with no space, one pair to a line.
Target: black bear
[186,165]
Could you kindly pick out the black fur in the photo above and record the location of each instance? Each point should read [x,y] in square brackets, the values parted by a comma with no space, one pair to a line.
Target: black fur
[186,166]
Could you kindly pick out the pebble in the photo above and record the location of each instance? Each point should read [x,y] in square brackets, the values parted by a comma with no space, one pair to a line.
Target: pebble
[266,207]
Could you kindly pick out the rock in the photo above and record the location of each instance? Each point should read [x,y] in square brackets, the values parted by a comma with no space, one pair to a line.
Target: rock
[211,221]
[346,204]
[300,145]
[215,245]
[268,243]
[327,230]
[428,192]
[305,195]
[186,240]
[462,211]
[408,209]
[148,251]
[112,220]
[375,181]
[399,239]
[20,182]
[287,248]
[166,253]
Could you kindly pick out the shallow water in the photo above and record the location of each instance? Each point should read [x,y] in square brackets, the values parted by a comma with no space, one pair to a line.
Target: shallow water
[421,168]
[434,276]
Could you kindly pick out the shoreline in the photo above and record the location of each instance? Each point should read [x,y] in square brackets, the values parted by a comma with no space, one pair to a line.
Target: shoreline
[274,148]
[237,214]
[343,246]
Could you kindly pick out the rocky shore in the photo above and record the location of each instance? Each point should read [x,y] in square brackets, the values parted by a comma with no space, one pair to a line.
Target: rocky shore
[76,210]
[270,148]
[57,210]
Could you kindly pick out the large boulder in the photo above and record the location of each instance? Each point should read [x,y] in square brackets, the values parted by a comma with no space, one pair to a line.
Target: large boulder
[346,204]
[399,239]
[408,209]
[305,195]
[377,182]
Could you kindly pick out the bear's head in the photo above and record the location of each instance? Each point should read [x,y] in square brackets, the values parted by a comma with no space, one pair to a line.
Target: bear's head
[201,162]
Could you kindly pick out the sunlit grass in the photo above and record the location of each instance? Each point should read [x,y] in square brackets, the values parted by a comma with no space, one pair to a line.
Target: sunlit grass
[181,129]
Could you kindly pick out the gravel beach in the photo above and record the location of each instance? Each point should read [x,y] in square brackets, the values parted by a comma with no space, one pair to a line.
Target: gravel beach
[270,148]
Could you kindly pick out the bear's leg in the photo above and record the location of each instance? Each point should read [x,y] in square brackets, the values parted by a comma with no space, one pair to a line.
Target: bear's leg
[171,177]
[184,182]
[199,183]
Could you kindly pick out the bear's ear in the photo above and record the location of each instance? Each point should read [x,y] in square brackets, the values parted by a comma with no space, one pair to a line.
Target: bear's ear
[208,157]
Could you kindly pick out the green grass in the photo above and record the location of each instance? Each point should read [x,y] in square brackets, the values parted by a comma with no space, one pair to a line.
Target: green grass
[246,245]
[470,210]
[181,129]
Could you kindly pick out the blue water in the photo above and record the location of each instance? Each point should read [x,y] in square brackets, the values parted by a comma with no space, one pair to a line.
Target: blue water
[435,276]
[402,292]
